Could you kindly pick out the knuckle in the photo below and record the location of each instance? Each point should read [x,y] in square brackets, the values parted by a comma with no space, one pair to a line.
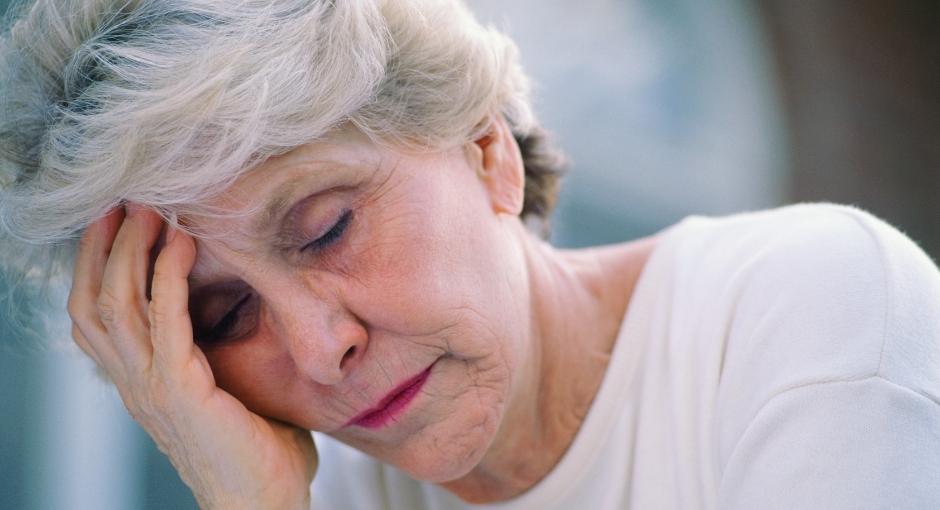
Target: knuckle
[77,336]
[77,306]
[109,306]
[74,308]
[160,271]
[127,398]
[79,339]
[162,278]
[159,314]
[133,410]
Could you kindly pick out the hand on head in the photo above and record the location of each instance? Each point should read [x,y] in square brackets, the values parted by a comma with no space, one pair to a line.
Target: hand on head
[138,330]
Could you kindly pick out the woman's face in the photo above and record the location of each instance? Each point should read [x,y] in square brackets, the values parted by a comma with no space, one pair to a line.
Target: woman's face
[383,301]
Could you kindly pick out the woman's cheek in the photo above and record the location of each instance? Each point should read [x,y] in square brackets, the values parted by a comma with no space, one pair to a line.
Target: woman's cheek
[401,253]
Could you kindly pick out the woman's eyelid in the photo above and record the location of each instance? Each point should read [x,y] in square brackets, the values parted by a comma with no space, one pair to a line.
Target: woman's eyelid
[316,217]
[293,226]
[231,320]
[235,308]
[331,234]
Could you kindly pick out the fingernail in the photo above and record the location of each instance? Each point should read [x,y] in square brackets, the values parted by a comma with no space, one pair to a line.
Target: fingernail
[170,234]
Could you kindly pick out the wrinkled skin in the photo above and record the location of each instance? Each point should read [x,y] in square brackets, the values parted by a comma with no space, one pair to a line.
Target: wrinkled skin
[388,263]
[424,273]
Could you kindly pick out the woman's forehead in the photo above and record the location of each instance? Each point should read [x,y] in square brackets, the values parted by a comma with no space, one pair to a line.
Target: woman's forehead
[259,203]
[263,198]
[269,189]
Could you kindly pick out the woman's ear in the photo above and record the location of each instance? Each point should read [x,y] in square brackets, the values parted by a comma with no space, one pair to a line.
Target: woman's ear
[501,168]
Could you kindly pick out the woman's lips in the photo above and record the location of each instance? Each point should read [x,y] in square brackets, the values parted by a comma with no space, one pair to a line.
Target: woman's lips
[393,404]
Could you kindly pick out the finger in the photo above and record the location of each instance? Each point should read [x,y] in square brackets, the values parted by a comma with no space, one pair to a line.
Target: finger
[122,302]
[170,324]
[83,344]
[94,249]
[90,259]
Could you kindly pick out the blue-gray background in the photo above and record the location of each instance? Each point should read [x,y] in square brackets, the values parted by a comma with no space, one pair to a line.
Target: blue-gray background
[666,107]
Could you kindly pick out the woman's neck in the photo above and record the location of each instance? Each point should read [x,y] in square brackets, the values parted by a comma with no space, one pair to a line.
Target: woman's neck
[578,300]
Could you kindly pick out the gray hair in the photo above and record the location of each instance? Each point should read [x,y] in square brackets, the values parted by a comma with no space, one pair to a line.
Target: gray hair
[167,102]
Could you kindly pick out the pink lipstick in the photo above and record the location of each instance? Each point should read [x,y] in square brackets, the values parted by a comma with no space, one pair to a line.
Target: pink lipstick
[392,405]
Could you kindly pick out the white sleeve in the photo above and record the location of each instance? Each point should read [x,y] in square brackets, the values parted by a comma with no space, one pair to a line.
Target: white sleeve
[830,394]
[862,444]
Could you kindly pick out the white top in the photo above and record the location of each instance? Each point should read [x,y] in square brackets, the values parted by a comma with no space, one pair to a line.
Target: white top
[787,358]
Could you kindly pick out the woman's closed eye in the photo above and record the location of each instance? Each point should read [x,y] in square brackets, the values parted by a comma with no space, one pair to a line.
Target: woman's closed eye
[234,324]
[331,236]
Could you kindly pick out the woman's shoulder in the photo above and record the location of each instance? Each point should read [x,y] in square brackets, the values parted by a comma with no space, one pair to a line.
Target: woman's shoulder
[820,325]
[807,294]
[816,233]
[817,250]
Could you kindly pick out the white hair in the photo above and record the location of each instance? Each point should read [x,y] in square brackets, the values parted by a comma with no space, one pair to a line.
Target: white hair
[166,102]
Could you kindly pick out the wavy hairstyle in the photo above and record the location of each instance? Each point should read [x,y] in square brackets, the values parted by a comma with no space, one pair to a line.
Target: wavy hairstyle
[167,102]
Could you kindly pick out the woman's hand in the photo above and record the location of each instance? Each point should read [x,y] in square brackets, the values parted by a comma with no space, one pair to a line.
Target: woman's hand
[229,456]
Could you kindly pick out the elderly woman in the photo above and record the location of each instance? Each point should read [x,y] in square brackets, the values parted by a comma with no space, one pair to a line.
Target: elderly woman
[301,215]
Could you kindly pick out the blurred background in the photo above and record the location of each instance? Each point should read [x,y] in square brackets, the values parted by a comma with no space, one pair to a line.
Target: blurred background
[666,108]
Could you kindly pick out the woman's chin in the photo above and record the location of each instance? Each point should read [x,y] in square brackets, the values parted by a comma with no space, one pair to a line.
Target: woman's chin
[440,467]
[438,457]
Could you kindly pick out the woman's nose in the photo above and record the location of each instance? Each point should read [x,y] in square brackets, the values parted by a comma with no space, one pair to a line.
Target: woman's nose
[324,342]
